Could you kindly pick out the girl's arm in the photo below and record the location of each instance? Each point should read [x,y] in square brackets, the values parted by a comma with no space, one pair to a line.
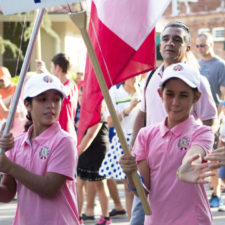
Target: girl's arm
[89,137]
[47,186]
[192,169]
[217,156]
[7,188]
[128,165]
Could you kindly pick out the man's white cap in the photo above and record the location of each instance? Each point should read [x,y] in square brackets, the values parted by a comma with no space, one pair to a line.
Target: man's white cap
[40,83]
[184,72]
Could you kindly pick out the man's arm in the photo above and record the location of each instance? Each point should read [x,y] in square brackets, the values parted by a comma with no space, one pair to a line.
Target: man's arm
[138,124]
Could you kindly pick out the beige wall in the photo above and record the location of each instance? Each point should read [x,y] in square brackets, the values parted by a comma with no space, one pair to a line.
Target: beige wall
[69,42]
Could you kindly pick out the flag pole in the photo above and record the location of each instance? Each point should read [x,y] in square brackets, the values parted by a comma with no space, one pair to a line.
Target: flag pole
[80,20]
[23,72]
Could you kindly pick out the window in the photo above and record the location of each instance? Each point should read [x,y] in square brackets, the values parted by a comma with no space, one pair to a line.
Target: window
[203,30]
[218,33]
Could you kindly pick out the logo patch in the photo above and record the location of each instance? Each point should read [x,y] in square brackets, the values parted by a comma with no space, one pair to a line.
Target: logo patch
[178,68]
[47,79]
[44,152]
[183,143]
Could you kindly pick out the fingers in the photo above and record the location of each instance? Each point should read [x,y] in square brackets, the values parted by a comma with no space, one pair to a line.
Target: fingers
[128,163]
[202,178]
[7,141]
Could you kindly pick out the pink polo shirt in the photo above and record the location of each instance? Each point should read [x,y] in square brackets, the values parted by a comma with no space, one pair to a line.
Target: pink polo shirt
[204,109]
[173,202]
[54,150]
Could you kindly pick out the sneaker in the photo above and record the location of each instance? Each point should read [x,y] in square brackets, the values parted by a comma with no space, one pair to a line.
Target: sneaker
[104,221]
[215,201]
[87,218]
[117,213]
[221,208]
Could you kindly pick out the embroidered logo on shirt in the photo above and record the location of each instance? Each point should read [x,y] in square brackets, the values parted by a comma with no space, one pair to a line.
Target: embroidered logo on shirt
[47,79]
[183,143]
[44,152]
[178,68]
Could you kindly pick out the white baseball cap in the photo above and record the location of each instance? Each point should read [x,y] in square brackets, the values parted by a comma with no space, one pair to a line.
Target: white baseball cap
[40,83]
[184,72]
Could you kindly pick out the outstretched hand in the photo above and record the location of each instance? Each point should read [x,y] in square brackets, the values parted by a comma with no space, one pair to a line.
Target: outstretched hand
[196,173]
[217,158]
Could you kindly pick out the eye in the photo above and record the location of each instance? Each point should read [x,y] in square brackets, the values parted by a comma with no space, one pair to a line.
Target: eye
[178,40]
[184,95]
[57,99]
[42,99]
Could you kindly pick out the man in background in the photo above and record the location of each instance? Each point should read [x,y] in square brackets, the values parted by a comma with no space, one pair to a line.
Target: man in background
[213,68]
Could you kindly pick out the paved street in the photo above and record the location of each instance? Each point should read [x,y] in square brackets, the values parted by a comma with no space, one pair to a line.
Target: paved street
[7,212]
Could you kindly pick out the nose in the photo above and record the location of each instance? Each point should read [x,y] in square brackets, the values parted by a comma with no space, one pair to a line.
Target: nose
[51,104]
[175,101]
[171,42]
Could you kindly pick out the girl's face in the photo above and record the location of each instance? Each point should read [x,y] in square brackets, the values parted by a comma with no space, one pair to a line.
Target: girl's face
[178,99]
[45,109]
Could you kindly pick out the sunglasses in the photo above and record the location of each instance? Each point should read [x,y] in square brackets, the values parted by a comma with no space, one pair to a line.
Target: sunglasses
[200,46]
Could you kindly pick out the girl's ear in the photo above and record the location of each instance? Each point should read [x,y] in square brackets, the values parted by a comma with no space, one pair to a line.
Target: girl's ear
[197,96]
[160,92]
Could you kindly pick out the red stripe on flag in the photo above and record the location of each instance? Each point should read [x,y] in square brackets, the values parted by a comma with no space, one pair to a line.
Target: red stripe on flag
[122,62]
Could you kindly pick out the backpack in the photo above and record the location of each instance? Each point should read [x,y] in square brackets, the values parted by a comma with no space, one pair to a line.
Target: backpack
[146,85]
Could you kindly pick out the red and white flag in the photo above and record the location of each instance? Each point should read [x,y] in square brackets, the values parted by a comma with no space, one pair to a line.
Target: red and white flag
[123,36]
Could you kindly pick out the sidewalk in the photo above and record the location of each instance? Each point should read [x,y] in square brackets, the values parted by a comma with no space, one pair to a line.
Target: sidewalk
[7,211]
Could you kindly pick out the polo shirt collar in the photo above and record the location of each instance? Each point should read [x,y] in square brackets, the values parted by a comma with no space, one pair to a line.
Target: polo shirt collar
[44,136]
[178,129]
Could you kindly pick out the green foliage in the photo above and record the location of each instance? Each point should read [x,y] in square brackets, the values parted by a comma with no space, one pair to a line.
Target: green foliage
[46,24]
[15,79]
[8,44]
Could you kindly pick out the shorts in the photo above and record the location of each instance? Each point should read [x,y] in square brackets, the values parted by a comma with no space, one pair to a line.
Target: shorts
[221,173]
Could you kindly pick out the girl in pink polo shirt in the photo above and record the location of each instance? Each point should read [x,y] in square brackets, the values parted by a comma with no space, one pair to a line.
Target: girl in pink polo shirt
[41,165]
[177,142]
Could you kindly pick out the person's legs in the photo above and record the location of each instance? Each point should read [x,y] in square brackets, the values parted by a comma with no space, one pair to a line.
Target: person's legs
[128,198]
[222,177]
[138,214]
[103,198]
[215,200]
[80,194]
[104,202]
[112,186]
[91,193]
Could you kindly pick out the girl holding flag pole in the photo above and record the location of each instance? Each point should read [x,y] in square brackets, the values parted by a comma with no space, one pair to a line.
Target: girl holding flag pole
[171,153]
[41,165]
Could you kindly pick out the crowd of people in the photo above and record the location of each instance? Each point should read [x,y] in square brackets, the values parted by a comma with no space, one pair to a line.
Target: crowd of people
[174,124]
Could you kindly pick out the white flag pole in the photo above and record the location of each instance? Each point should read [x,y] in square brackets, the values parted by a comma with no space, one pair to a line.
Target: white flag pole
[79,20]
[23,72]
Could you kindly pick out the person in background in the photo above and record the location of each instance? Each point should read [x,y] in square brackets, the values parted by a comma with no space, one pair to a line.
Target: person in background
[92,150]
[160,150]
[79,79]
[213,68]
[126,100]
[174,48]
[60,68]
[40,164]
[7,89]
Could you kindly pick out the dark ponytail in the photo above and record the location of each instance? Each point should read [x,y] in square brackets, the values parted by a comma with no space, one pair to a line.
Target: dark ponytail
[28,116]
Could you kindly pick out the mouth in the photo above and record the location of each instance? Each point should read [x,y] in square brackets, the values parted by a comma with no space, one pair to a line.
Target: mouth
[49,114]
[169,50]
